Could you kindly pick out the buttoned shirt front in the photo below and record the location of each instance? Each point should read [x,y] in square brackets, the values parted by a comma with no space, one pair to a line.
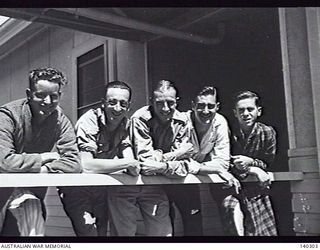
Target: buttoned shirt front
[94,136]
[214,146]
[260,145]
[153,139]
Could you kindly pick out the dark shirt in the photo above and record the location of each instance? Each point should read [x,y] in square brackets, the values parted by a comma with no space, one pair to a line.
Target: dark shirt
[259,145]
[22,141]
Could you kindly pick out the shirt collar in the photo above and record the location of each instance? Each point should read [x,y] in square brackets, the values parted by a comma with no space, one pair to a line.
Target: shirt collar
[177,116]
[214,123]
[102,118]
[252,133]
[27,112]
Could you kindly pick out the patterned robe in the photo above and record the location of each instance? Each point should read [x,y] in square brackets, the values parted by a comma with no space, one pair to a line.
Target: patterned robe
[255,202]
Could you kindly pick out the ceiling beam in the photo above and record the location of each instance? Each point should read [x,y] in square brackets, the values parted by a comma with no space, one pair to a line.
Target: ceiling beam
[71,23]
[142,26]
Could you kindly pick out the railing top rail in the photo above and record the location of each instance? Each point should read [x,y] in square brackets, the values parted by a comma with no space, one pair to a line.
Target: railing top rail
[45,180]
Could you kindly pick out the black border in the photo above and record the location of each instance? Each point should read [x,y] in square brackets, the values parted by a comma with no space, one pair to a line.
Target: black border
[163,3]
[157,3]
[177,239]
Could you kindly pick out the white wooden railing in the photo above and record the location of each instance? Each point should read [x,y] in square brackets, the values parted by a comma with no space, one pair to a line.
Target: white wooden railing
[38,180]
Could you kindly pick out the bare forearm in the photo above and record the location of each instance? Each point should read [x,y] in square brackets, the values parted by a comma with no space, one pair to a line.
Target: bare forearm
[212,167]
[254,170]
[105,166]
[170,156]
[204,170]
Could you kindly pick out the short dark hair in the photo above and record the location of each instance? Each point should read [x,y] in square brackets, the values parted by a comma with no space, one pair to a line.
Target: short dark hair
[207,90]
[46,73]
[163,85]
[118,84]
[244,95]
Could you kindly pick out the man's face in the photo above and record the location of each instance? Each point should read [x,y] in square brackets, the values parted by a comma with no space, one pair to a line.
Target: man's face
[205,108]
[164,104]
[247,112]
[116,104]
[44,99]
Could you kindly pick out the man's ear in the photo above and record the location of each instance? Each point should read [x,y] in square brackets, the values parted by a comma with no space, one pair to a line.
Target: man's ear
[28,93]
[218,105]
[102,102]
[235,113]
[193,105]
[129,106]
[259,111]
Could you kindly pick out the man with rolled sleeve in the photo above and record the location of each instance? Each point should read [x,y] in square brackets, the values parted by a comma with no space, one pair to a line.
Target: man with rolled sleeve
[159,135]
[30,130]
[105,147]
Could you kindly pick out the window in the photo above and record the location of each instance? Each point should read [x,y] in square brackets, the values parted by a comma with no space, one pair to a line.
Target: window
[91,79]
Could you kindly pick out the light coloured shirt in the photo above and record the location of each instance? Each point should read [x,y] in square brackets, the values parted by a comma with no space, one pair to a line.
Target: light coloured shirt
[153,140]
[94,136]
[214,146]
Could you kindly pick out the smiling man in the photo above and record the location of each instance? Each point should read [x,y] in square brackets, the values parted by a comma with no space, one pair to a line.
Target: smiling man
[105,147]
[253,148]
[209,135]
[30,129]
[159,134]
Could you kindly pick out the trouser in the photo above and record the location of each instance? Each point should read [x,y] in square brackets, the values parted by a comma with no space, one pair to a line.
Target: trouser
[233,216]
[187,199]
[220,194]
[87,209]
[251,213]
[124,203]
[23,214]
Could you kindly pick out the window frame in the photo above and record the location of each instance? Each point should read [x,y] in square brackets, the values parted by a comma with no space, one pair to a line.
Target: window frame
[109,66]
[79,65]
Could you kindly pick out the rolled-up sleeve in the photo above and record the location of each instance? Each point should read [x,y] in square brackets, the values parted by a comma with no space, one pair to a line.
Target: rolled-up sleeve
[86,132]
[214,152]
[142,141]
[220,155]
[143,146]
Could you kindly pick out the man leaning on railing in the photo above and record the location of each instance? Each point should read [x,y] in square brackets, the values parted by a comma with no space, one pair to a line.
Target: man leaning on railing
[30,129]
